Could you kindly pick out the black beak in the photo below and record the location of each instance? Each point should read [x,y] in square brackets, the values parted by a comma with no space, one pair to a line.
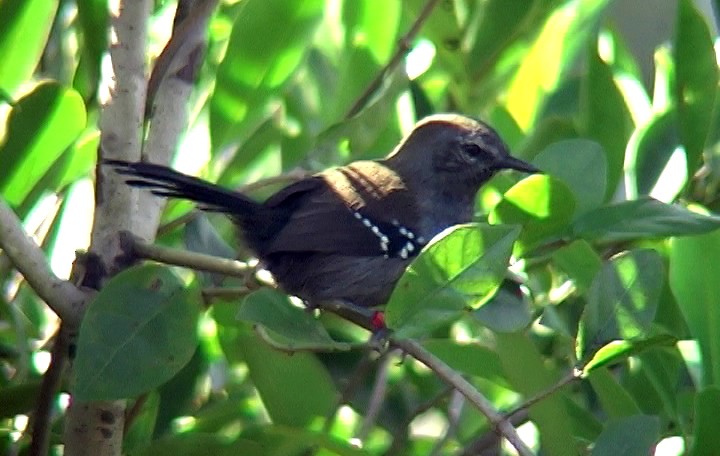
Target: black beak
[510,162]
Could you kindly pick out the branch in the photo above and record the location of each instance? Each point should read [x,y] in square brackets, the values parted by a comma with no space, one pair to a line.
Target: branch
[169,90]
[404,45]
[61,296]
[453,378]
[208,263]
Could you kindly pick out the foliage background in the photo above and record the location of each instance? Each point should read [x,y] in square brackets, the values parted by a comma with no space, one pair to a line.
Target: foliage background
[620,279]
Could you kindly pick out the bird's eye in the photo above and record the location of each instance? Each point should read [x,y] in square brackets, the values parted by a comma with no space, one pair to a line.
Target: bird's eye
[472,150]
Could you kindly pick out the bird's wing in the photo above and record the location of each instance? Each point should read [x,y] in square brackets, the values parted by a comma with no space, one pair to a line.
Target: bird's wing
[348,217]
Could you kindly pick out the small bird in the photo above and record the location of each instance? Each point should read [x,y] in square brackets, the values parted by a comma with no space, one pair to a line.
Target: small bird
[348,233]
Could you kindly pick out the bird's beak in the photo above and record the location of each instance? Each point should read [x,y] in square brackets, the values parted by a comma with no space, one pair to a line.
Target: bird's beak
[510,162]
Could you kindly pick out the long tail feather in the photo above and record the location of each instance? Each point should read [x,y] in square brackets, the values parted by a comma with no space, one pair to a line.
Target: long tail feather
[163,181]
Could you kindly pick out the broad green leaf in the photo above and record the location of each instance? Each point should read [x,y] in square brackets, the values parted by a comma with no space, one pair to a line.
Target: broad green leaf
[552,54]
[622,300]
[543,205]
[286,325]
[706,438]
[645,217]
[696,80]
[633,435]
[41,126]
[579,261]
[605,118]
[693,280]
[581,165]
[530,374]
[507,311]
[616,401]
[461,268]
[138,332]
[283,440]
[472,359]
[25,28]
[295,387]
[93,18]
[268,42]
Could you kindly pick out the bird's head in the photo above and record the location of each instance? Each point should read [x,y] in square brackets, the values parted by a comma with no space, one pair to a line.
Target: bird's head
[454,151]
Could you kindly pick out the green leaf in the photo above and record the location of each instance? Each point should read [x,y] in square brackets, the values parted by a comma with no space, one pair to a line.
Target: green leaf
[461,268]
[530,374]
[605,118]
[25,29]
[616,401]
[543,205]
[630,436]
[645,217]
[268,42]
[507,311]
[693,280]
[579,261]
[40,127]
[138,332]
[551,55]
[295,388]
[706,438]
[622,300]
[286,325]
[696,82]
[581,165]
[472,359]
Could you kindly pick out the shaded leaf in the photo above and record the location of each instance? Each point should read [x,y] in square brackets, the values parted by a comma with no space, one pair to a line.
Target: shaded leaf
[622,300]
[645,217]
[696,80]
[581,165]
[138,332]
[693,280]
[631,436]
[288,326]
[295,388]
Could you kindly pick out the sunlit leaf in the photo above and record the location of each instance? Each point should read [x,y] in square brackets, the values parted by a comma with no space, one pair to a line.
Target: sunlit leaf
[543,205]
[462,268]
[41,126]
[25,28]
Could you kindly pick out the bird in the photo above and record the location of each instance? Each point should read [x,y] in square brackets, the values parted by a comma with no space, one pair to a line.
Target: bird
[348,233]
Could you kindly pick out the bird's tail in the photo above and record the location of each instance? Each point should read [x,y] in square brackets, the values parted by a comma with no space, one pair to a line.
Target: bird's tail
[163,181]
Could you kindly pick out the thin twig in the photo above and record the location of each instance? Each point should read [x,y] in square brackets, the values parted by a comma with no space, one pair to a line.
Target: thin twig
[569,378]
[351,385]
[377,396]
[455,408]
[404,46]
[198,261]
[41,420]
[451,377]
